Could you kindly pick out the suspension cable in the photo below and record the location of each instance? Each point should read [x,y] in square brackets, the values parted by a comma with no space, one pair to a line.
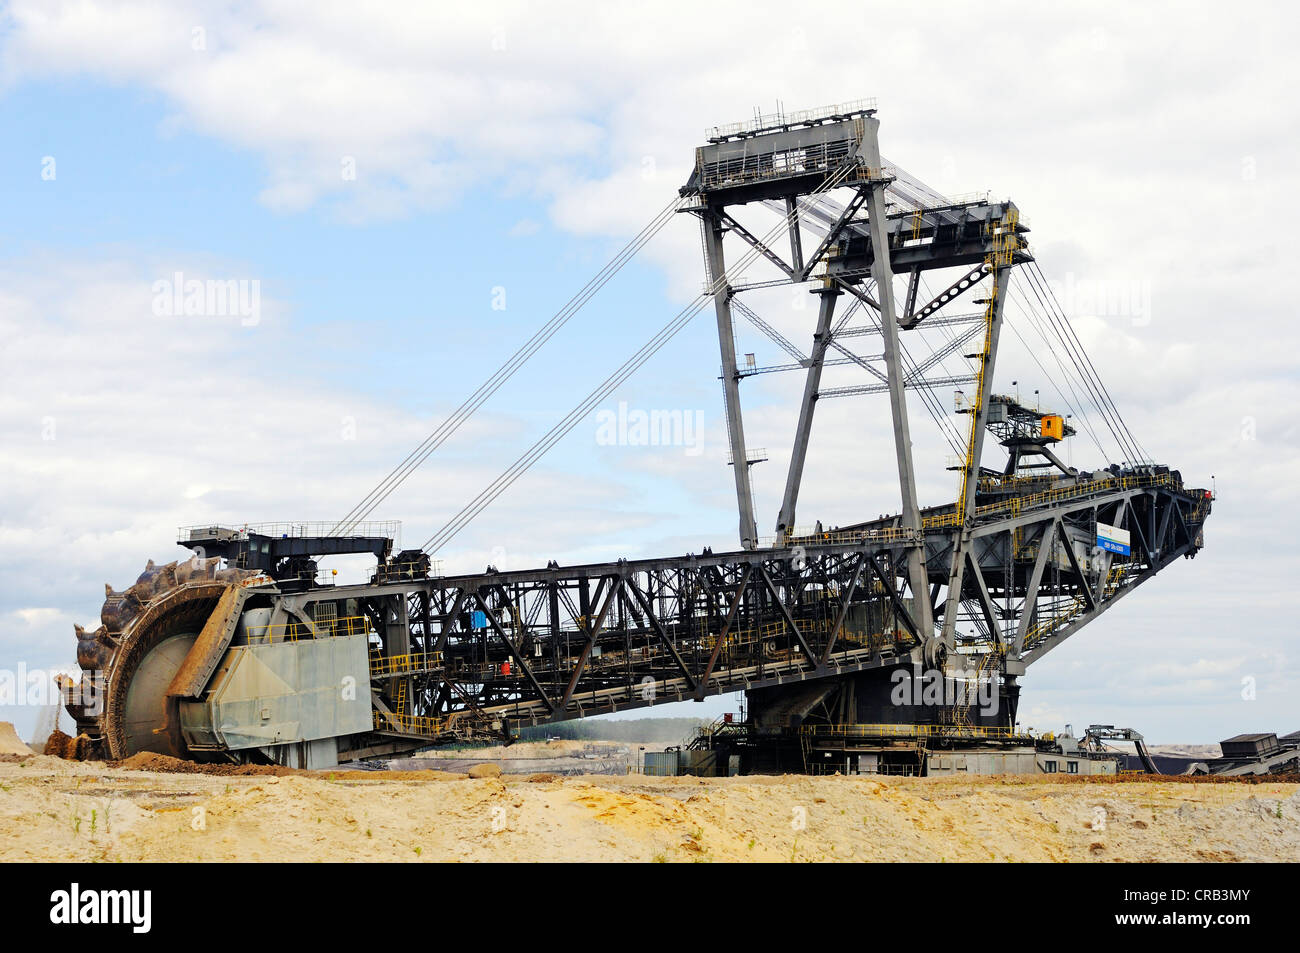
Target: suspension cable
[1101,384]
[489,387]
[584,407]
[1076,411]
[1078,357]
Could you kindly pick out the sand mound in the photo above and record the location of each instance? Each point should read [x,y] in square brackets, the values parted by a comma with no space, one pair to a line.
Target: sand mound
[10,743]
[484,771]
[62,811]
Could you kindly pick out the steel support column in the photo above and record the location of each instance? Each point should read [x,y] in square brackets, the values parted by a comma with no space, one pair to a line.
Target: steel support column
[798,455]
[883,275]
[1046,540]
[730,378]
[796,242]
[971,469]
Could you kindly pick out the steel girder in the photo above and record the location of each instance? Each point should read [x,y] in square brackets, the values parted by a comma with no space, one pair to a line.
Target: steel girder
[528,647]
[1039,577]
[629,634]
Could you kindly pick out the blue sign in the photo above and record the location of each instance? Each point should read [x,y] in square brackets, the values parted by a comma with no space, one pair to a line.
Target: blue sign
[1113,539]
[478,619]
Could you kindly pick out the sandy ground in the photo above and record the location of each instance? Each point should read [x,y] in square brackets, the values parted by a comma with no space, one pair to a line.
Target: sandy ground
[58,810]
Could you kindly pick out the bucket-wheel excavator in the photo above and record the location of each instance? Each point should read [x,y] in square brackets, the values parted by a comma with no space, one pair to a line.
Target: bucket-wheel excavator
[246,651]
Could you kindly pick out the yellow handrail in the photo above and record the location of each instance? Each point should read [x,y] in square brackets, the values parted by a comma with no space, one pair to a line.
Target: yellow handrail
[426,725]
[293,631]
[1016,504]
[390,665]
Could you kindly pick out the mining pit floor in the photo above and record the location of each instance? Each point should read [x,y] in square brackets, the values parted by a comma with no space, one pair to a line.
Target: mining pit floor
[152,808]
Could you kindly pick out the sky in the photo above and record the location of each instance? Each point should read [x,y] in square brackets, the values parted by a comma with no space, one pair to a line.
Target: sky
[404,193]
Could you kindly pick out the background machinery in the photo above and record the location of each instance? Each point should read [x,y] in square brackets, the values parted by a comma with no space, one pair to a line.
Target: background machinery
[1096,737]
[243,653]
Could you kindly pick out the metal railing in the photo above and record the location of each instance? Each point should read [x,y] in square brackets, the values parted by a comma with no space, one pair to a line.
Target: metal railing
[779,119]
[387,666]
[771,630]
[887,534]
[821,157]
[745,642]
[389,529]
[752,455]
[425,725]
[993,484]
[295,631]
[1014,506]
[911,732]
[1046,627]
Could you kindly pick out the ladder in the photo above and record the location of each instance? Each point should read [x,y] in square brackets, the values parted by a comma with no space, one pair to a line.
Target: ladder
[970,693]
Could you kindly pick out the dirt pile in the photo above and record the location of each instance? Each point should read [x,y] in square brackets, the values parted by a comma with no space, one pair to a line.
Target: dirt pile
[10,743]
[151,761]
[64,746]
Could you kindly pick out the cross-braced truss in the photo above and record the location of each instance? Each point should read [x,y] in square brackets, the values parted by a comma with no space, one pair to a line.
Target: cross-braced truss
[1003,575]
[459,655]
[1020,561]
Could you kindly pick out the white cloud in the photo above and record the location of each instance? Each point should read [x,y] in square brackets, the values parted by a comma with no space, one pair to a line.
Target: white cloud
[122,425]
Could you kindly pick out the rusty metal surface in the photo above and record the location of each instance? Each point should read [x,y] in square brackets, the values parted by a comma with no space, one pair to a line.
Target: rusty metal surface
[212,642]
[164,600]
[186,607]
